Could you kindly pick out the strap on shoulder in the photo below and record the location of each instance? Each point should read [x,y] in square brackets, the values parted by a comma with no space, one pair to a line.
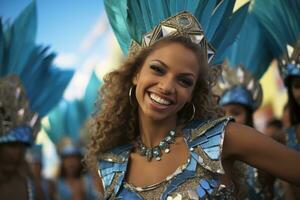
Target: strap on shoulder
[112,166]
[206,142]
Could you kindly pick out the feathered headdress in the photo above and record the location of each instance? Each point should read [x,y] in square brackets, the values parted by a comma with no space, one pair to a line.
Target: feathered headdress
[237,85]
[133,20]
[44,83]
[17,122]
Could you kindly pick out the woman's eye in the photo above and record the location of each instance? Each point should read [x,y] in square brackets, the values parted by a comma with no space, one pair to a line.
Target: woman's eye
[186,82]
[157,69]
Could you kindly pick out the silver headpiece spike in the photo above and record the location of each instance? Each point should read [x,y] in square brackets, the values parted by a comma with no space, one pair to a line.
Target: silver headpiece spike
[289,64]
[183,24]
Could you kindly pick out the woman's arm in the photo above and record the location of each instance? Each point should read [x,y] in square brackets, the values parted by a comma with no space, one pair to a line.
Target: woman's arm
[250,146]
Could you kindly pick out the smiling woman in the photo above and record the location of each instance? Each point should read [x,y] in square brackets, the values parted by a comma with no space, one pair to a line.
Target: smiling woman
[159,104]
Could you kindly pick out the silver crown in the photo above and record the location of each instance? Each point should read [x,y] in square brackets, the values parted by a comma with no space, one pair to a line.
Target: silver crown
[182,24]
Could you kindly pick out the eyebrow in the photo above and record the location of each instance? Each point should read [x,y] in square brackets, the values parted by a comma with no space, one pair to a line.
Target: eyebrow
[166,66]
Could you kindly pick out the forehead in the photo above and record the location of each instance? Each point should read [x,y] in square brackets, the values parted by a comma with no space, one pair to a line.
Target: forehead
[235,106]
[176,56]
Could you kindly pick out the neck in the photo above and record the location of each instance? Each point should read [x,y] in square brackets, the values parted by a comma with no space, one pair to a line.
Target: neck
[152,132]
[6,174]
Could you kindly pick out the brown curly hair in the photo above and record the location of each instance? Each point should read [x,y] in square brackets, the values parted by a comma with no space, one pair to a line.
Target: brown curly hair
[116,122]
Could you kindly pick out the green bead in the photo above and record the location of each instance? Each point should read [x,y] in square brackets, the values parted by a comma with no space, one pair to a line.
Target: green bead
[149,154]
[156,152]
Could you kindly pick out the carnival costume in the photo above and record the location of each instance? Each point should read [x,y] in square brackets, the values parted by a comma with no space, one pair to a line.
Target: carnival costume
[135,26]
[237,85]
[198,178]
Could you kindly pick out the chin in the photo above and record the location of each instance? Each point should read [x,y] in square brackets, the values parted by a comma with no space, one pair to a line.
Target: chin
[160,116]
[9,168]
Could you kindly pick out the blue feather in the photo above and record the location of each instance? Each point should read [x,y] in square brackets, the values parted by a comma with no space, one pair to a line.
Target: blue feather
[280,19]
[206,14]
[23,38]
[251,49]
[67,118]
[1,46]
[235,25]
[220,14]
[119,19]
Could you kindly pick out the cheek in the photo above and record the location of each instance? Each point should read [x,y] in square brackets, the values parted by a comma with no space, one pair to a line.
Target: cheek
[12,155]
[296,92]
[241,119]
[139,90]
[185,93]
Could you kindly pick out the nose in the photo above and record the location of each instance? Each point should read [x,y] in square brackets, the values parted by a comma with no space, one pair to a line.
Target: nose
[167,85]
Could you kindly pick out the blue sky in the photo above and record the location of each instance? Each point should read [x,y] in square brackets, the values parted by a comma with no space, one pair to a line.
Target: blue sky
[61,23]
[77,30]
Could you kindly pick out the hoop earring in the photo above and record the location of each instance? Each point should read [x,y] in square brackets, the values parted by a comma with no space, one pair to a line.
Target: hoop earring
[130,95]
[194,112]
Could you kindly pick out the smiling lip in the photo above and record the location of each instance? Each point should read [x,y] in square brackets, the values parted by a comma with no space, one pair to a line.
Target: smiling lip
[158,102]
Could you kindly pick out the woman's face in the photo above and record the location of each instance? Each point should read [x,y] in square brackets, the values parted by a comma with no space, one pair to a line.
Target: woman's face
[11,155]
[296,89]
[166,81]
[237,111]
[72,165]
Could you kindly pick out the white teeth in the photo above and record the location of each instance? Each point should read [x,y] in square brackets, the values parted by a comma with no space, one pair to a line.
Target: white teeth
[159,100]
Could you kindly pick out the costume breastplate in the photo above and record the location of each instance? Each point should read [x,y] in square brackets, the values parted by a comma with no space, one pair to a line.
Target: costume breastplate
[199,178]
[292,139]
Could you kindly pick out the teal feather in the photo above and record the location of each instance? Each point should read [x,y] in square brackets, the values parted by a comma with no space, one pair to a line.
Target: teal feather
[146,15]
[280,19]
[206,14]
[219,17]
[176,6]
[91,93]
[119,21]
[23,38]
[157,17]
[44,83]
[1,44]
[251,49]
[200,7]
[68,117]
[225,37]
[136,19]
